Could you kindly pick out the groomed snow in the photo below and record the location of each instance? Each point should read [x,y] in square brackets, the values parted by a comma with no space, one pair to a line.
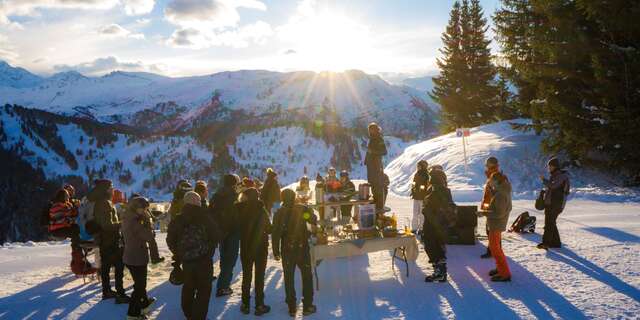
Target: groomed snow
[595,276]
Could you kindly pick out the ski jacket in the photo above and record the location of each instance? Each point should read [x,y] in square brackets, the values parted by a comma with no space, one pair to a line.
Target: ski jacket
[193,216]
[62,215]
[106,217]
[270,192]
[500,204]
[137,232]
[255,228]
[420,184]
[224,210]
[290,230]
[557,190]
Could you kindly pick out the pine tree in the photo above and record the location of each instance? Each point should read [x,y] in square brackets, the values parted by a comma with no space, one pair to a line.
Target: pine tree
[466,88]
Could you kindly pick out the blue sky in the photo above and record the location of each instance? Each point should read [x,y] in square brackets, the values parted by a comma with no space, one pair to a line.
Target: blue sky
[193,37]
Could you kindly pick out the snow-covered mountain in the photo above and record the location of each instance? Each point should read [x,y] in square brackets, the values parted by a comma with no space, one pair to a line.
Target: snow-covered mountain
[520,158]
[354,96]
[17,77]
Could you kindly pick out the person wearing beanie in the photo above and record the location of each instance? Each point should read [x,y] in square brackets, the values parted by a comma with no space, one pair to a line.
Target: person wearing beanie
[270,193]
[224,211]
[418,192]
[192,237]
[106,227]
[290,240]
[255,228]
[137,232]
[182,187]
[491,166]
[376,149]
[556,190]
[497,216]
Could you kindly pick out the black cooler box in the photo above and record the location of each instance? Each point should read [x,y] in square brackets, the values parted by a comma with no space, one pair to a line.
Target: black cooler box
[464,231]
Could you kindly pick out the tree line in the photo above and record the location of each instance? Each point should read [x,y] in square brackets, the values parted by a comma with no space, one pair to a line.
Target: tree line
[572,66]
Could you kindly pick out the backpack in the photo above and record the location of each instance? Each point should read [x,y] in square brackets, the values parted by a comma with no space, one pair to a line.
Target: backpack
[194,243]
[524,223]
[45,218]
[86,219]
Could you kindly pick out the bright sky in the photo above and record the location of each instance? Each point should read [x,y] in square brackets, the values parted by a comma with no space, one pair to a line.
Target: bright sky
[194,37]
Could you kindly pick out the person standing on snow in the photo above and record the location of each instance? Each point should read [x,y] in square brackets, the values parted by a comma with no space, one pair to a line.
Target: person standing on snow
[270,192]
[438,211]
[418,192]
[555,197]
[224,211]
[255,228]
[290,240]
[137,233]
[376,149]
[497,216]
[193,237]
[107,227]
[491,166]
[182,187]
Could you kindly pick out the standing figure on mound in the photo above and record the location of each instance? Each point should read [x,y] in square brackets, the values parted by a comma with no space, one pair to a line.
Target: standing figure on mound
[137,232]
[497,217]
[254,244]
[225,212]
[438,212]
[107,229]
[290,240]
[418,192]
[270,192]
[373,160]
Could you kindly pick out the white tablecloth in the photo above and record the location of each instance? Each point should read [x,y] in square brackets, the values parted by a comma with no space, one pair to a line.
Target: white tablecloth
[364,246]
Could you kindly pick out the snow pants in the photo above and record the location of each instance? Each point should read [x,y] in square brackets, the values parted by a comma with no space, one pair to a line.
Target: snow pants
[375,177]
[72,232]
[111,256]
[139,297]
[292,257]
[251,263]
[551,236]
[229,250]
[495,237]
[196,289]
[434,235]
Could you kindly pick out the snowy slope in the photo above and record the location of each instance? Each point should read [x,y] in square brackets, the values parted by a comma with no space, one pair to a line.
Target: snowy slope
[595,275]
[17,77]
[356,96]
[520,157]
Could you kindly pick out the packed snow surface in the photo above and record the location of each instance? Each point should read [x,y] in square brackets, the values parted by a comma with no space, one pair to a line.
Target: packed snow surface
[596,275]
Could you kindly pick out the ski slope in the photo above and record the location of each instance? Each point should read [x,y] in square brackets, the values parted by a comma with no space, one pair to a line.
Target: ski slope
[596,275]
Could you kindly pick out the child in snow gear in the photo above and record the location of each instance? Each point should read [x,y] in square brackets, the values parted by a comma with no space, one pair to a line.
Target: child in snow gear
[373,160]
[556,191]
[137,233]
[192,237]
[438,209]
[290,240]
[270,193]
[225,212]
[497,216]
[418,192]
[524,223]
[255,228]
[107,226]
[348,190]
[491,166]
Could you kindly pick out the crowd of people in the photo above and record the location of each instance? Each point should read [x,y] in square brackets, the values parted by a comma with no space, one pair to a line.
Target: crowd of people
[242,214]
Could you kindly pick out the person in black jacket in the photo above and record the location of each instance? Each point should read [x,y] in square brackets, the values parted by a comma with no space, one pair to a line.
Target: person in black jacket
[290,240]
[254,244]
[192,237]
[418,192]
[373,160]
[224,210]
[270,192]
[556,191]
[348,189]
[438,206]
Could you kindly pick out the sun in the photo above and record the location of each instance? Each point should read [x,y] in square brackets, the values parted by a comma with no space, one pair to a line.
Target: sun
[326,41]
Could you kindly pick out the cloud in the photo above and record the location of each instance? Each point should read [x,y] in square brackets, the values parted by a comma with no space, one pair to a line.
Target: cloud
[29,7]
[7,51]
[138,7]
[201,14]
[242,37]
[105,65]
[116,30]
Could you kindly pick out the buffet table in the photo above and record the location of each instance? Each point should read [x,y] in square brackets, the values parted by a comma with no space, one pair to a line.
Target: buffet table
[405,248]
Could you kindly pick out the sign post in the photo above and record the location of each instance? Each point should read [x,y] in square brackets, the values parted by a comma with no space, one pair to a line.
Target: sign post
[464,133]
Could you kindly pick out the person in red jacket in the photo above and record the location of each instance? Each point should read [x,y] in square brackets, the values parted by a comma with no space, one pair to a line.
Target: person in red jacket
[491,166]
[62,224]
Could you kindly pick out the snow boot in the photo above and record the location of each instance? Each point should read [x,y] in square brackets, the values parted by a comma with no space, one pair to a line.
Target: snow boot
[260,310]
[224,292]
[245,308]
[307,310]
[122,298]
[499,278]
[109,295]
[439,272]
[542,246]
[493,272]
[147,307]
[293,310]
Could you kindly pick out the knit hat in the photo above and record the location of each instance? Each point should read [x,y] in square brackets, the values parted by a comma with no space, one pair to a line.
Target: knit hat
[491,161]
[554,162]
[192,198]
[344,173]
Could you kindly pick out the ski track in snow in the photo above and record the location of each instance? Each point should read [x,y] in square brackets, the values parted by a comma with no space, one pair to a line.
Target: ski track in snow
[595,275]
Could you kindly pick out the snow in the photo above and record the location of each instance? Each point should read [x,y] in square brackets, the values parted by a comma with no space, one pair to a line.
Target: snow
[596,275]
[520,158]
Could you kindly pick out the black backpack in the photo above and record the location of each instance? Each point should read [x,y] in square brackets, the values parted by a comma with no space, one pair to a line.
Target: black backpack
[524,223]
[194,243]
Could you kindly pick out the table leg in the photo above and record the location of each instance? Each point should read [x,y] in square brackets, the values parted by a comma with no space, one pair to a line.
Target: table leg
[315,274]
[393,259]
[406,263]
[403,250]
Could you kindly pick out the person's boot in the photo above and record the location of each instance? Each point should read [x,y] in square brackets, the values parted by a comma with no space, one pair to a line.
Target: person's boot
[109,295]
[493,272]
[439,273]
[499,278]
[224,292]
[262,309]
[542,246]
[157,260]
[307,310]
[147,306]
[245,308]
[293,310]
[122,298]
